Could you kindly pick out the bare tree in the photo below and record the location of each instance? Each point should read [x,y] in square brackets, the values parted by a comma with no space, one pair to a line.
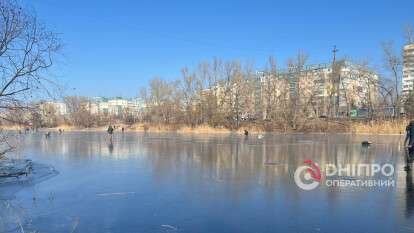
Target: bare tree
[190,87]
[27,51]
[270,87]
[409,34]
[79,111]
[409,105]
[230,93]
[393,65]
[370,82]
[164,101]
[49,115]
[296,83]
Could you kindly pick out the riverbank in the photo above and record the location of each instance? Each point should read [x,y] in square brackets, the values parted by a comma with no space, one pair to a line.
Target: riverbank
[374,127]
[384,127]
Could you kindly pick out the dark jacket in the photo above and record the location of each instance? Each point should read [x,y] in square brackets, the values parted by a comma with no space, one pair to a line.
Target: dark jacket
[410,133]
[110,129]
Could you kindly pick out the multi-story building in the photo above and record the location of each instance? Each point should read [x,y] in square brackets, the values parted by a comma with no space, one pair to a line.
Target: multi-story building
[408,69]
[115,106]
[135,105]
[97,105]
[58,108]
[322,90]
[326,91]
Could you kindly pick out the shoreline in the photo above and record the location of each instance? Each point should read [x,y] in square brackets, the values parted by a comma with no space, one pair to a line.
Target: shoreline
[209,130]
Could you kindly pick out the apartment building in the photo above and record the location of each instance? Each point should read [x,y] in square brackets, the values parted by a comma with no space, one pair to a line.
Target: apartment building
[408,69]
[325,90]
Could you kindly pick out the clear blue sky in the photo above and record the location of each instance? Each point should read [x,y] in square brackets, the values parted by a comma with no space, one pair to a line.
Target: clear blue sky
[112,48]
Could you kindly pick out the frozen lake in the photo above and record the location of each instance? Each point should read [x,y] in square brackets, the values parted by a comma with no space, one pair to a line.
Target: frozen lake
[203,183]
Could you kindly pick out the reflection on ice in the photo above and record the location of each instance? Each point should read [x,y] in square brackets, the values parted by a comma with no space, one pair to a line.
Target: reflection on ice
[209,183]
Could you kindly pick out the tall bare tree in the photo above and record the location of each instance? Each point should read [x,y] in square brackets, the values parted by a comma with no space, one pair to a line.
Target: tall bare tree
[79,111]
[27,51]
[393,64]
[296,68]
[409,34]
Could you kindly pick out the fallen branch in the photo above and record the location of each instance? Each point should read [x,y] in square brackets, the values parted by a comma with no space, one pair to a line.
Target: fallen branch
[3,153]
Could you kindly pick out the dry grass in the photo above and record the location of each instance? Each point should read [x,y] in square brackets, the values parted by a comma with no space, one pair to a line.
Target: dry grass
[379,127]
[11,127]
[375,127]
[177,128]
[202,129]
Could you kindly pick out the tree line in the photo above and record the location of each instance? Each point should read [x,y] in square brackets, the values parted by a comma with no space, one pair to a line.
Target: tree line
[232,94]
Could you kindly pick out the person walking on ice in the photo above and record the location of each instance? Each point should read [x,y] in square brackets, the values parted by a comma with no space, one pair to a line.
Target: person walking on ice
[110,131]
